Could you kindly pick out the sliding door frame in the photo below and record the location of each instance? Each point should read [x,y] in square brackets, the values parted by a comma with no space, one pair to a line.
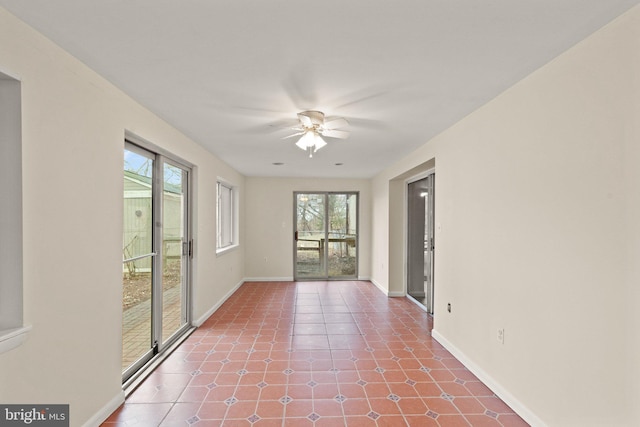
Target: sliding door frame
[429,293]
[158,346]
[325,251]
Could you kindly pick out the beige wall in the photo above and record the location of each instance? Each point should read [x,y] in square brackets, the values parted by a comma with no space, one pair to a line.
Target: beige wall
[537,201]
[74,124]
[269,223]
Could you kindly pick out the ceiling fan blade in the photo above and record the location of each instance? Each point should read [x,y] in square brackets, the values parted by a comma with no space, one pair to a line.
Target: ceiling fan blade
[334,133]
[335,123]
[286,124]
[292,135]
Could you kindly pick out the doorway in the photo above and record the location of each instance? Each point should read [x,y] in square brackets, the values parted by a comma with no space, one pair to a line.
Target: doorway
[156,255]
[325,235]
[421,240]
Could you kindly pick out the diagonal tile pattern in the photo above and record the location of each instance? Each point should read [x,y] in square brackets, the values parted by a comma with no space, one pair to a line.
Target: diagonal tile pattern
[313,354]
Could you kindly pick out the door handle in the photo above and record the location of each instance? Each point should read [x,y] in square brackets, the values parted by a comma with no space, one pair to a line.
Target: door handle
[296,235]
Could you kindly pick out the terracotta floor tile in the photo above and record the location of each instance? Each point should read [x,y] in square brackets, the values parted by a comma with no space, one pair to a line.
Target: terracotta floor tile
[478,389]
[220,393]
[297,422]
[342,328]
[141,413]
[236,423]
[366,364]
[298,408]
[442,375]
[371,376]
[403,390]
[212,411]
[299,377]
[325,391]
[300,391]
[360,421]
[394,376]
[268,422]
[420,421]
[495,404]
[193,394]
[309,329]
[452,421]
[469,405]
[440,406]
[356,407]
[247,392]
[391,421]
[512,420]
[412,406]
[338,318]
[327,407]
[308,318]
[181,413]
[324,377]
[275,378]
[352,391]
[242,409]
[384,406]
[330,422]
[482,421]
[309,342]
[313,354]
[270,409]
[454,389]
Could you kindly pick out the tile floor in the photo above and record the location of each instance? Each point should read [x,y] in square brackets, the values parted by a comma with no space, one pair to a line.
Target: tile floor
[313,354]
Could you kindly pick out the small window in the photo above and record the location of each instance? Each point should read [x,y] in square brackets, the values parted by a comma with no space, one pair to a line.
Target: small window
[226,216]
[12,329]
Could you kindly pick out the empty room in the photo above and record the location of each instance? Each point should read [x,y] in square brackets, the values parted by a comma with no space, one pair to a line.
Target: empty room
[320,214]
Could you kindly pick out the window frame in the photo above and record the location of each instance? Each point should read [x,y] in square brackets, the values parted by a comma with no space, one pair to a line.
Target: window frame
[231,210]
[13,330]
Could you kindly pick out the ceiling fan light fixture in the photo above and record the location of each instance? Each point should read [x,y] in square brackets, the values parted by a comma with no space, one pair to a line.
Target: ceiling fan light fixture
[319,142]
[312,127]
[307,140]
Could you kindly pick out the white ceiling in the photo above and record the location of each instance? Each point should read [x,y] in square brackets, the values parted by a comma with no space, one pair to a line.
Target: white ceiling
[401,72]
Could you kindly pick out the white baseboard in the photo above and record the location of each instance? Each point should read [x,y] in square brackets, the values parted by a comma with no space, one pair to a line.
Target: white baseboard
[379,286]
[213,309]
[396,294]
[104,413]
[392,294]
[269,279]
[490,382]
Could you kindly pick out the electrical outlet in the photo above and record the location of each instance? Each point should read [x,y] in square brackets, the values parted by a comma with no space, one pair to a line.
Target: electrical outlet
[500,336]
[449,307]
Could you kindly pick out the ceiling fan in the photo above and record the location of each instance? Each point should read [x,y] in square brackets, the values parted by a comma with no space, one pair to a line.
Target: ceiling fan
[313,126]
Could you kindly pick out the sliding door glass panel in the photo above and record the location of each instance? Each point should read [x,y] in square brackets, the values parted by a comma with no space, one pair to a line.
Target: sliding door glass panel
[326,238]
[156,256]
[421,240]
[174,251]
[310,235]
[342,237]
[138,256]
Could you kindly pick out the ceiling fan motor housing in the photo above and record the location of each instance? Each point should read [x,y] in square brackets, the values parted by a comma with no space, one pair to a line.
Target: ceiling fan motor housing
[315,117]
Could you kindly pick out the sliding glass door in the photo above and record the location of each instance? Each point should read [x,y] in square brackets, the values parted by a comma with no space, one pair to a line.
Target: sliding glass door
[325,235]
[156,254]
[421,240]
